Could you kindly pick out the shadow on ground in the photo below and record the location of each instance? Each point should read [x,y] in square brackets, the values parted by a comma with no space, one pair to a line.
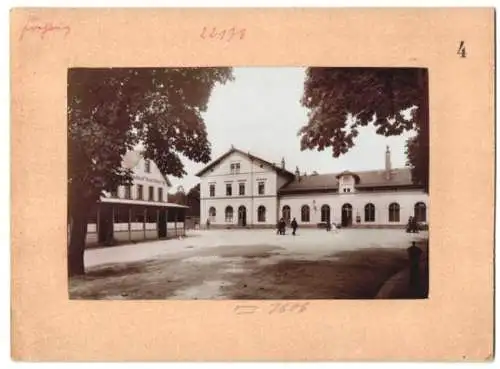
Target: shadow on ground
[361,274]
[346,275]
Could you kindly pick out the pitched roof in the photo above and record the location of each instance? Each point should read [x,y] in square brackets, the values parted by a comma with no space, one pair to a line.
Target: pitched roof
[248,155]
[132,158]
[400,177]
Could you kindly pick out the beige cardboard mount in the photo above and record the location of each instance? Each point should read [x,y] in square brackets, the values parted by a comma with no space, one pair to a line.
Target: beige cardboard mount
[455,323]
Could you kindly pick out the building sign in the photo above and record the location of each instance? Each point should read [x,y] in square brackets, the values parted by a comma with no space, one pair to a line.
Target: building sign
[146,179]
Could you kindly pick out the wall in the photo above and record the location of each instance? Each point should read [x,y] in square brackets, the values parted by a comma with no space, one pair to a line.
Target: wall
[140,177]
[251,173]
[381,200]
[251,206]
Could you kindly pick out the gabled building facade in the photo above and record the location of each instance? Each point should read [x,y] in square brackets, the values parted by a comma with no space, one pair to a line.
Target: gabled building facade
[242,190]
[137,212]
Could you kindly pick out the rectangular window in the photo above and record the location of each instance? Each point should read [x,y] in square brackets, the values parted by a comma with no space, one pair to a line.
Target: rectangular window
[151,194]
[212,190]
[147,166]
[261,188]
[114,193]
[242,189]
[140,194]
[160,194]
[229,189]
[235,168]
[128,192]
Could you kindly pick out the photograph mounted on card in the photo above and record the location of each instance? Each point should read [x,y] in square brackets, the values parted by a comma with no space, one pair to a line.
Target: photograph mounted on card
[187,213]
[191,175]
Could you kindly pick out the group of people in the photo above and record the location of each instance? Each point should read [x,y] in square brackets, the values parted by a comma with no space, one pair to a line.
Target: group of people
[412,226]
[281,227]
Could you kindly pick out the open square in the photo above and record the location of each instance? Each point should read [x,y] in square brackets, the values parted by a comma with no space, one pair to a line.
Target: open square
[174,194]
[248,264]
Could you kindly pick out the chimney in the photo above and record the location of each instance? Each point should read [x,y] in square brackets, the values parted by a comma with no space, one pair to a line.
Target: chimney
[282,163]
[388,167]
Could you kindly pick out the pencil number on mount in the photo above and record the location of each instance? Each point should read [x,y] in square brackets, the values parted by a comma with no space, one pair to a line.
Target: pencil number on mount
[461,50]
[280,308]
[223,34]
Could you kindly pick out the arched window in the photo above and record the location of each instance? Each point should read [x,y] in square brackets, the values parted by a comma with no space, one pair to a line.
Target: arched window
[261,214]
[286,213]
[369,213]
[420,212]
[305,213]
[325,213]
[229,214]
[394,212]
[211,214]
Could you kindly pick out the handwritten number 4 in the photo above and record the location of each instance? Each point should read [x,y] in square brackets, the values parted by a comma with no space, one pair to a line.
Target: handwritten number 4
[461,50]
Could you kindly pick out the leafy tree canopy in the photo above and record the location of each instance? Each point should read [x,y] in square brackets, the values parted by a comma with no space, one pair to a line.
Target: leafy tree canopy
[111,111]
[394,100]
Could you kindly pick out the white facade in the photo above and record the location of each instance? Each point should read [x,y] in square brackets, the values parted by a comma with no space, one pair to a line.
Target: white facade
[146,178]
[259,183]
[144,199]
[380,200]
[374,198]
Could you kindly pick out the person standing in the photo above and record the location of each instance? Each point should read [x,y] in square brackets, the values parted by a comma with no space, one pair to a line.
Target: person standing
[294,226]
[414,254]
[409,225]
[282,226]
[414,225]
[208,223]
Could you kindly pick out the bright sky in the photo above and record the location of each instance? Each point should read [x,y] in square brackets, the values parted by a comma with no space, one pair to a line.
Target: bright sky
[260,112]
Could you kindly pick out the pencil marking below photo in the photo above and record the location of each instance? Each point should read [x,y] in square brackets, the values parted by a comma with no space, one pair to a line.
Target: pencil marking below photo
[227,183]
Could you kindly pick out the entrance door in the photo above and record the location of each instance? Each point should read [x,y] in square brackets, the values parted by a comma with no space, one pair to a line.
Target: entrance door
[325,214]
[162,224]
[242,216]
[346,215]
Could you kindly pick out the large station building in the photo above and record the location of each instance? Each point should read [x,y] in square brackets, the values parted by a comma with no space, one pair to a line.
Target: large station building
[239,189]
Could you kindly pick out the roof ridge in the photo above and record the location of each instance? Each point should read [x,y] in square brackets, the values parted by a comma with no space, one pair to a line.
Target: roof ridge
[247,154]
[362,171]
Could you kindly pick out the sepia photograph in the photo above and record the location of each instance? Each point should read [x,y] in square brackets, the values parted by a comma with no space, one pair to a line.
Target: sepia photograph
[248,183]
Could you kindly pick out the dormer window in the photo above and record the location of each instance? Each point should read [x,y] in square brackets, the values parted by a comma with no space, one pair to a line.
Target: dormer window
[147,166]
[235,168]
[347,182]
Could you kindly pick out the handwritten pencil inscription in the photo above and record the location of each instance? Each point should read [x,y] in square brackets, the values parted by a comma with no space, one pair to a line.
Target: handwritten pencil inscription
[41,28]
[275,308]
[227,34]
[245,309]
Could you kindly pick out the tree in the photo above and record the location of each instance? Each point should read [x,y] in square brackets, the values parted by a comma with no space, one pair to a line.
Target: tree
[190,199]
[179,197]
[193,201]
[111,111]
[340,100]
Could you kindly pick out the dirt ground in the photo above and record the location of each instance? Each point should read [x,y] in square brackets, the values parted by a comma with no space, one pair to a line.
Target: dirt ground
[250,272]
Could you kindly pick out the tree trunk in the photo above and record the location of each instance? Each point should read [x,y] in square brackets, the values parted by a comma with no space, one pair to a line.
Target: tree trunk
[76,247]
